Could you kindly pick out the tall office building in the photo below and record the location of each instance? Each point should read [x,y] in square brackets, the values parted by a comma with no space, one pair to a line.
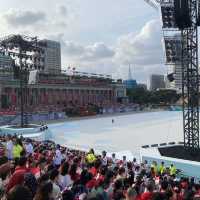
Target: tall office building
[157,82]
[52,56]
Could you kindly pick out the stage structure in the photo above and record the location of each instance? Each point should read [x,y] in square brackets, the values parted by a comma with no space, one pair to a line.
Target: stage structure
[27,55]
[180,20]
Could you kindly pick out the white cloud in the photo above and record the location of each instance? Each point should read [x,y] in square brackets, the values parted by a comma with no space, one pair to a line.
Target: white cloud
[143,49]
[91,53]
[19,18]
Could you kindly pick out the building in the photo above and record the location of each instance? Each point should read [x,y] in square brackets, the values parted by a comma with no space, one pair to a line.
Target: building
[52,55]
[157,82]
[5,61]
[130,84]
[142,85]
[54,90]
[59,91]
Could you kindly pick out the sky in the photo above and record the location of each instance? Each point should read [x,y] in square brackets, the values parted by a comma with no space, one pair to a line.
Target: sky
[97,36]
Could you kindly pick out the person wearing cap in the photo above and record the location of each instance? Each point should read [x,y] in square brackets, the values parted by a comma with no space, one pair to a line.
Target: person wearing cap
[131,194]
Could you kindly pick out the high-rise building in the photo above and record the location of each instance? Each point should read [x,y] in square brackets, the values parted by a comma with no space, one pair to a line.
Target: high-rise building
[157,81]
[130,83]
[52,56]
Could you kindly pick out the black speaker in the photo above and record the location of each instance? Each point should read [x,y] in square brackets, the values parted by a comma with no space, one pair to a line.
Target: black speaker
[182,14]
[170,77]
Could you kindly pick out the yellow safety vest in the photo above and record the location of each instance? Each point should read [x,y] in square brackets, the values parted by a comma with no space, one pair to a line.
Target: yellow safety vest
[17,149]
[90,158]
[172,170]
[162,169]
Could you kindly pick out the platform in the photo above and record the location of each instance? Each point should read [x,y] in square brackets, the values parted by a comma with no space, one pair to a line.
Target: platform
[173,154]
[34,131]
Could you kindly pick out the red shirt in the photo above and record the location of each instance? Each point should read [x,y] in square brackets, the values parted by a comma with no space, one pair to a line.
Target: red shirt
[93,171]
[146,196]
[17,178]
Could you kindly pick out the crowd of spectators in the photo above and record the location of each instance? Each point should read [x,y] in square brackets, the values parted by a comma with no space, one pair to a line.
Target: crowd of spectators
[33,170]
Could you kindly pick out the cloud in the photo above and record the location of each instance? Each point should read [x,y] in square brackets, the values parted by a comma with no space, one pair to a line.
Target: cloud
[91,53]
[62,10]
[19,18]
[142,49]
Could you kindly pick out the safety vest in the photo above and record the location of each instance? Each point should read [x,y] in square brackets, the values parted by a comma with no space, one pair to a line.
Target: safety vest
[172,170]
[90,158]
[155,168]
[162,169]
[17,149]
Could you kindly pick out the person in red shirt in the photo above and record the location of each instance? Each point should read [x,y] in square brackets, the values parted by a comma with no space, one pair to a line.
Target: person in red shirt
[147,195]
[18,176]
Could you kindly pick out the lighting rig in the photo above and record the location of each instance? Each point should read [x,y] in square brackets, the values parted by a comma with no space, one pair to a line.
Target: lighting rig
[27,54]
[180,21]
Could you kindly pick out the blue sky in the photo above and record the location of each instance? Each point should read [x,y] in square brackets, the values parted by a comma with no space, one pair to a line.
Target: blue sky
[101,36]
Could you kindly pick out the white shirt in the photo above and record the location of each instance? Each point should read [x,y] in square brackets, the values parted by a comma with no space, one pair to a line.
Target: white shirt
[9,148]
[56,191]
[29,148]
[65,181]
[58,157]
[104,161]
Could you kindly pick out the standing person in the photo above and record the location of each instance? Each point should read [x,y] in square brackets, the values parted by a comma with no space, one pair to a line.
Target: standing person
[18,176]
[9,147]
[162,168]
[58,157]
[29,147]
[44,192]
[172,170]
[64,177]
[104,158]
[54,177]
[17,148]
[131,194]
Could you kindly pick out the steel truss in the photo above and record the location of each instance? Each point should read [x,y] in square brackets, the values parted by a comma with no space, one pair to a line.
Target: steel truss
[22,48]
[190,81]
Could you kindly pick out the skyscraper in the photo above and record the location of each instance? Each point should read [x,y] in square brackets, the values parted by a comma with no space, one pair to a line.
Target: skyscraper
[52,56]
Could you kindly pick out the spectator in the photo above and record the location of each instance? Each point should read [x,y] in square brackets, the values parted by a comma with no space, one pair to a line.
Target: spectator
[17,149]
[19,193]
[44,192]
[64,177]
[29,147]
[9,147]
[18,175]
[54,176]
[131,194]
[58,157]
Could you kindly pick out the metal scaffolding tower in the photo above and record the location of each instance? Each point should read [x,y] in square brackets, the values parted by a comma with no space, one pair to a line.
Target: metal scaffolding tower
[189,64]
[26,55]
